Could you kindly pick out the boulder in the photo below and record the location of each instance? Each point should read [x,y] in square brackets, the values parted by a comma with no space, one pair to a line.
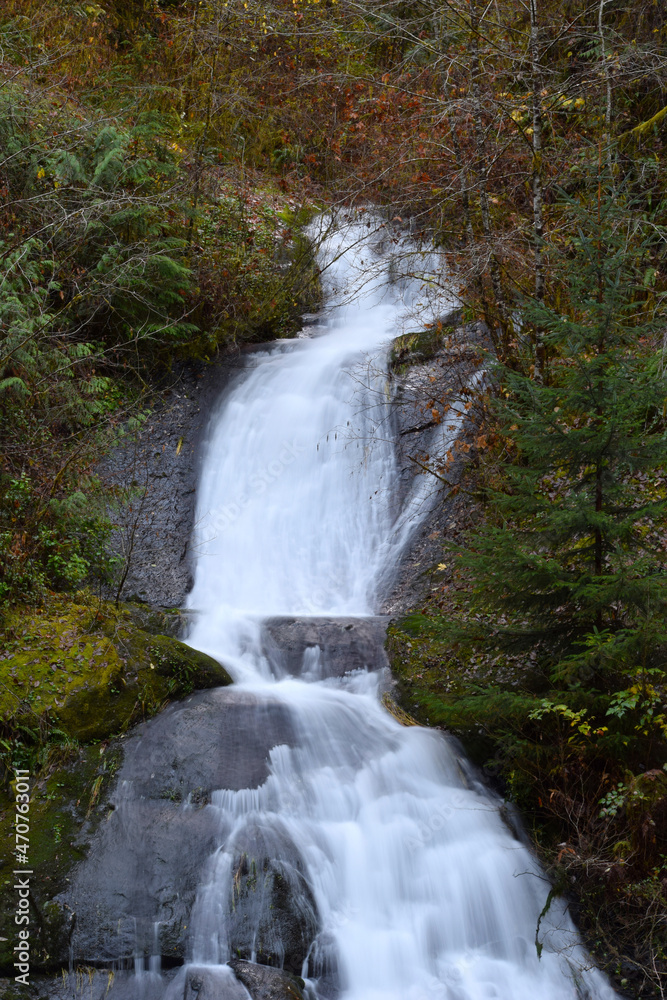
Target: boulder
[325,647]
[140,673]
[89,667]
[213,740]
[142,873]
[265,983]
[273,915]
[209,982]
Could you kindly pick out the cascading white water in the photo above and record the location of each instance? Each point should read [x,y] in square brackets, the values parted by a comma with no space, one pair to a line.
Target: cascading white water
[296,503]
[421,890]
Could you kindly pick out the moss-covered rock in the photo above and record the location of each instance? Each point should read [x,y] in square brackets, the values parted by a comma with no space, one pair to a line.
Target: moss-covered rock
[87,669]
[156,621]
[419,346]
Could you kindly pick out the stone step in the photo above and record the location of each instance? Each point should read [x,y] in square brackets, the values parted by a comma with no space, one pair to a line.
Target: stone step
[337,645]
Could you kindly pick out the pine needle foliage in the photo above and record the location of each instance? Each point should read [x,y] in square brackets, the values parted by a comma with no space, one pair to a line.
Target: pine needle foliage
[569,562]
[574,541]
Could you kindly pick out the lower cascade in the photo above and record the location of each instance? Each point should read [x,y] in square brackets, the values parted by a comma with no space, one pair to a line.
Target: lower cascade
[287,827]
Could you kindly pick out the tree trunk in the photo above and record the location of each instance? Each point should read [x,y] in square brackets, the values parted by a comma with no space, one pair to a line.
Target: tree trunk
[483,172]
[538,199]
[608,89]
[468,234]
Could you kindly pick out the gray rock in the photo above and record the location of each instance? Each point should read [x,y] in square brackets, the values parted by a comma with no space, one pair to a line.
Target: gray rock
[146,863]
[272,913]
[263,983]
[215,739]
[96,984]
[324,647]
[207,982]
[155,474]
[137,875]
[420,386]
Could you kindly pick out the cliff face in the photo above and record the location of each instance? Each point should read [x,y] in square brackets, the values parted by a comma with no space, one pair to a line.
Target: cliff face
[429,377]
[154,476]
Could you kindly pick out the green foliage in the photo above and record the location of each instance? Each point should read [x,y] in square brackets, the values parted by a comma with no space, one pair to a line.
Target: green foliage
[37,360]
[257,274]
[139,255]
[567,570]
[573,543]
[48,542]
[49,386]
[116,265]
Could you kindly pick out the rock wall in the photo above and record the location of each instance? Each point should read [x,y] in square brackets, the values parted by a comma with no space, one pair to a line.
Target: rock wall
[155,475]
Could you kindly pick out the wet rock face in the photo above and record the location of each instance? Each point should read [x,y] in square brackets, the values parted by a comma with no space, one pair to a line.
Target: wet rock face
[272,913]
[135,891]
[315,648]
[156,474]
[421,382]
[264,983]
[209,983]
[238,980]
[214,740]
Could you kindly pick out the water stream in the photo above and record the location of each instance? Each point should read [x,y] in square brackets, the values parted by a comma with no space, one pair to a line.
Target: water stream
[416,888]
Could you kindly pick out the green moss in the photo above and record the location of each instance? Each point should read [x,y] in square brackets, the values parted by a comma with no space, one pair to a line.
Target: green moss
[68,801]
[156,621]
[432,685]
[87,670]
[75,673]
[484,700]
[416,348]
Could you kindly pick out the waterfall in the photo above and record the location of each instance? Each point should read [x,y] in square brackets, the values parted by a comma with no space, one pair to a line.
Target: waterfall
[399,864]
[296,511]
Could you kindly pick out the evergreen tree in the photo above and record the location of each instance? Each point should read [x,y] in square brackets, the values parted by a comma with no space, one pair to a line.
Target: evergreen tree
[574,544]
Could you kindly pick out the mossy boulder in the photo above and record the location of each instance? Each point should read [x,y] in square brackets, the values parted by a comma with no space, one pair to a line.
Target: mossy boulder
[141,673]
[420,346]
[87,669]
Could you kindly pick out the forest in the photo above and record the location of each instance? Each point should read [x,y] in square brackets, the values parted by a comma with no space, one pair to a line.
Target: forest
[159,163]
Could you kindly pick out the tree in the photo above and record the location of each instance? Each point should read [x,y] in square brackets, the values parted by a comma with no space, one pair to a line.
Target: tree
[573,549]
